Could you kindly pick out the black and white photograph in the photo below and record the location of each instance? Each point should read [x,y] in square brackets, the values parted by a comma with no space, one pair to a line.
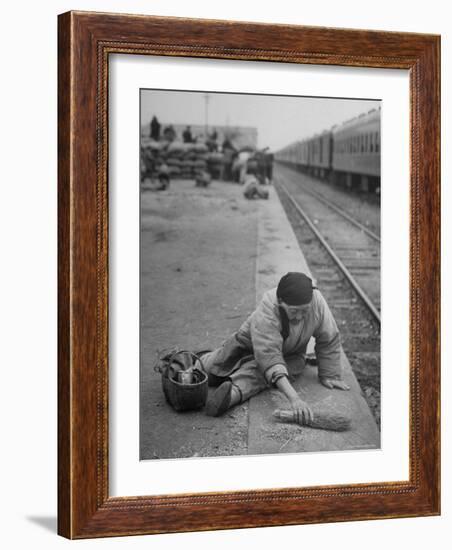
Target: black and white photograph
[208,208]
[259,274]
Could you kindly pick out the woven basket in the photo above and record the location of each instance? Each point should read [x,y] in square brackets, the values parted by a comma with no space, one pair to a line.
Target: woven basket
[181,396]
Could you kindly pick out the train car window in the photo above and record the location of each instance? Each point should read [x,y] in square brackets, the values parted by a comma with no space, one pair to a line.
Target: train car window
[371,136]
[377,142]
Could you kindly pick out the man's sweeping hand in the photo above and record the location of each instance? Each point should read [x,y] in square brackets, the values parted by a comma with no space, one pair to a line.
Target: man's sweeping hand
[331,383]
[301,410]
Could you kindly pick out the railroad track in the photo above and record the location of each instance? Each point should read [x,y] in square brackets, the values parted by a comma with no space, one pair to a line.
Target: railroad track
[361,208]
[342,213]
[356,254]
[345,262]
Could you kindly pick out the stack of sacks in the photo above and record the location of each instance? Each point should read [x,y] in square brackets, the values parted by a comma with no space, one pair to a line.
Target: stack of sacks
[185,160]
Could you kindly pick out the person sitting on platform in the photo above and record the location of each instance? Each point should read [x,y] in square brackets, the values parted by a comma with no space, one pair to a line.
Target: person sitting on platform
[269,349]
[163,177]
[253,188]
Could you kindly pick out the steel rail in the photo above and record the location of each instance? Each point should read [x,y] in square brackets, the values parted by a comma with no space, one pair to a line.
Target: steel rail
[343,213]
[367,301]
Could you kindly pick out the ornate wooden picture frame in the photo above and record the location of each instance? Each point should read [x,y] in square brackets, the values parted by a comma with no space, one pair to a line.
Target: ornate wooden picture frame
[86,40]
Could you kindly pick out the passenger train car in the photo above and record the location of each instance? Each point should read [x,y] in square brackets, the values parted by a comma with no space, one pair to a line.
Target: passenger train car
[348,154]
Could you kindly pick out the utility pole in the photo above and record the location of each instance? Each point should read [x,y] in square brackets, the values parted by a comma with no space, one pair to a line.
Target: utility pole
[207,97]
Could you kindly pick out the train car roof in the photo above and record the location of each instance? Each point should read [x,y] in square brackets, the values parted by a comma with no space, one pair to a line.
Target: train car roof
[354,122]
[363,118]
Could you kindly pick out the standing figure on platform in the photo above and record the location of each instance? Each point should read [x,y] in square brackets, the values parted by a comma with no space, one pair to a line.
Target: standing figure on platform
[269,166]
[269,349]
[155,129]
[212,141]
[228,158]
[186,135]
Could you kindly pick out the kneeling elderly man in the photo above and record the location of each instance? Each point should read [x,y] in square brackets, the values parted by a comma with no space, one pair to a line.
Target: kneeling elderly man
[269,348]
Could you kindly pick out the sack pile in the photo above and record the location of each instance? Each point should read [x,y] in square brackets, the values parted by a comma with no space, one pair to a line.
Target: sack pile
[184,160]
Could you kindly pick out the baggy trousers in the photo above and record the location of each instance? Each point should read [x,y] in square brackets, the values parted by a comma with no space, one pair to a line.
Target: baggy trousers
[236,363]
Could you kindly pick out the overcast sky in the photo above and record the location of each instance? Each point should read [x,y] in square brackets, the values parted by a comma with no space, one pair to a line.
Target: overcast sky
[279,120]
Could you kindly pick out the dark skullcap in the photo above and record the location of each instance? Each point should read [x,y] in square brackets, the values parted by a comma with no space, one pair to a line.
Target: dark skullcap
[295,289]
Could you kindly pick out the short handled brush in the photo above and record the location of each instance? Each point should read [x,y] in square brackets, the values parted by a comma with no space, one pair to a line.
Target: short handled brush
[323,420]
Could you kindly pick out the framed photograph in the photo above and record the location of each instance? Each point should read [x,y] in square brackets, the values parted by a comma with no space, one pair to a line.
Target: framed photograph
[248,275]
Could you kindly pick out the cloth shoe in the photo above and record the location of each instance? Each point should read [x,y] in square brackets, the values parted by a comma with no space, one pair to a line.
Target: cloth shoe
[220,401]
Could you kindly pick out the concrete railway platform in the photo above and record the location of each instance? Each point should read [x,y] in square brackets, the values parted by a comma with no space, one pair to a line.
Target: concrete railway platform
[207,256]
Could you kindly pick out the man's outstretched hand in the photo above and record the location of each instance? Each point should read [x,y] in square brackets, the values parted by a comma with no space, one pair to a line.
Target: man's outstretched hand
[331,383]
